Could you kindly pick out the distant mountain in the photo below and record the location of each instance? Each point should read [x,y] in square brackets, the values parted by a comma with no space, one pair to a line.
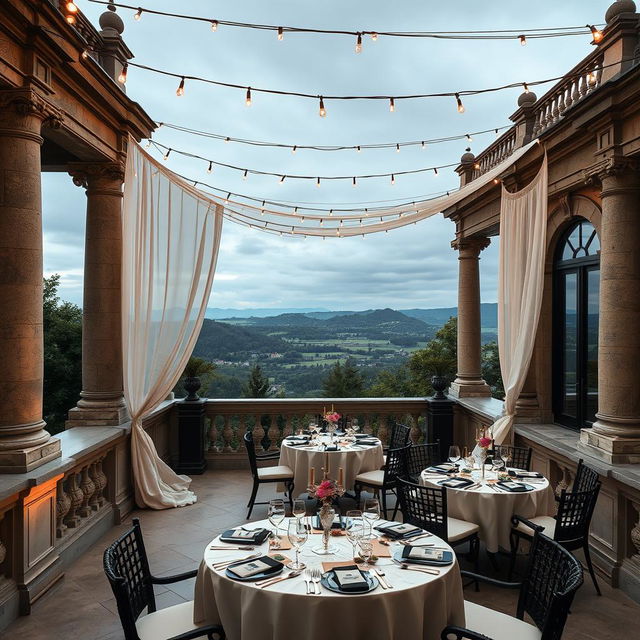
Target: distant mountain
[285,320]
[214,313]
[488,313]
[386,320]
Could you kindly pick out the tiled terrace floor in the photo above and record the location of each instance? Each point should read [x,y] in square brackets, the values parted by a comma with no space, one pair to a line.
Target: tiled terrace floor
[81,606]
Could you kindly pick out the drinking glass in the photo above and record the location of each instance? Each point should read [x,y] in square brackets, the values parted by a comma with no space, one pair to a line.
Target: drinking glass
[366,551]
[276,516]
[298,535]
[299,508]
[371,512]
[454,453]
[354,528]
[505,457]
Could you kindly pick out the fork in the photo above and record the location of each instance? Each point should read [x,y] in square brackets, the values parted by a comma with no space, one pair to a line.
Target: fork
[267,583]
[383,579]
[308,580]
[316,575]
[221,565]
[433,572]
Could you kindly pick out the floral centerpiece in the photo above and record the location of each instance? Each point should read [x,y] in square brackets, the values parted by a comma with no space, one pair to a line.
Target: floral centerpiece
[326,492]
[483,443]
[332,417]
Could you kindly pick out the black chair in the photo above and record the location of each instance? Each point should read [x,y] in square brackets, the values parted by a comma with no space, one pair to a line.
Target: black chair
[419,457]
[586,478]
[127,569]
[520,457]
[569,527]
[552,579]
[399,436]
[384,479]
[281,473]
[426,507]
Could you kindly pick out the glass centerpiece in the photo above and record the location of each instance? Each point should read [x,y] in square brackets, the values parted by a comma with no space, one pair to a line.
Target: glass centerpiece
[327,492]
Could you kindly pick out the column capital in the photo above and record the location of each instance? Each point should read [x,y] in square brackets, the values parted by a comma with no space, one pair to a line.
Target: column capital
[27,102]
[614,166]
[101,178]
[472,244]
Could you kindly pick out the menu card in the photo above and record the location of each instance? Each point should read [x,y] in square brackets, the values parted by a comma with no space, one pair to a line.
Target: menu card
[509,484]
[350,578]
[242,534]
[251,568]
[423,553]
[455,483]
[528,474]
[401,529]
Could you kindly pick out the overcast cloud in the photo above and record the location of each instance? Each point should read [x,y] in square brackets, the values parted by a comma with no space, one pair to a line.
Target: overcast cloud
[410,267]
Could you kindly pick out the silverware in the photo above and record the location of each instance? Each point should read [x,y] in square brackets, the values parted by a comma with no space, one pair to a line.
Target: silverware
[307,579]
[267,583]
[214,548]
[475,485]
[409,544]
[316,576]
[221,565]
[422,535]
[433,572]
[382,578]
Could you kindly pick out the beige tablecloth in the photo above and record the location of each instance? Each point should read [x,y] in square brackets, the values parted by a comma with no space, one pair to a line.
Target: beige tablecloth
[417,608]
[353,460]
[492,510]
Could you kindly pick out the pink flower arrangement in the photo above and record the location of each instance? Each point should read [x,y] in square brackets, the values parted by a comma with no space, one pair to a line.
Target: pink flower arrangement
[326,489]
[484,442]
[332,416]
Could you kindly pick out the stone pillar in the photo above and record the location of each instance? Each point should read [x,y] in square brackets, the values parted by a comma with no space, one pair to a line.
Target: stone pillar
[101,399]
[615,436]
[469,380]
[24,442]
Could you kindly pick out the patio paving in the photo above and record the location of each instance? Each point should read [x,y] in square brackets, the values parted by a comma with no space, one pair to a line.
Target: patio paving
[82,606]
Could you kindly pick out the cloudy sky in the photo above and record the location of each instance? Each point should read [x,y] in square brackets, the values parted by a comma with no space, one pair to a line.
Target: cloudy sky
[411,267]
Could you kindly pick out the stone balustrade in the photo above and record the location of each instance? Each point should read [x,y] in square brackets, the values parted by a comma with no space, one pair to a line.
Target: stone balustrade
[495,153]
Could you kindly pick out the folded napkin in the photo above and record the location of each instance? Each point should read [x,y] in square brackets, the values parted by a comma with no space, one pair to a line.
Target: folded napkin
[517,473]
[350,579]
[368,441]
[298,438]
[253,536]
[456,483]
[425,555]
[398,530]
[249,568]
[297,443]
[514,487]
[358,436]
[331,447]
[337,522]
[441,468]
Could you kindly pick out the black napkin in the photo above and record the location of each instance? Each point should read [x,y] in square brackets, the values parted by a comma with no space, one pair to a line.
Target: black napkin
[361,435]
[255,566]
[519,473]
[398,530]
[514,487]
[331,447]
[441,468]
[425,555]
[298,438]
[350,579]
[337,522]
[368,441]
[240,536]
[297,443]
[456,483]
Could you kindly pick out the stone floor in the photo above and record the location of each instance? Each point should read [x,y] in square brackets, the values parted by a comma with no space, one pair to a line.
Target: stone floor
[82,606]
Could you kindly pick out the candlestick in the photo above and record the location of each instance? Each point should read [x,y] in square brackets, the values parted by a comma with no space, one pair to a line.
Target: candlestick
[326,464]
[341,477]
[312,476]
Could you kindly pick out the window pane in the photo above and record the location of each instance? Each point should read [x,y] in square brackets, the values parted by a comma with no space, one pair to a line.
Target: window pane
[593,317]
[570,321]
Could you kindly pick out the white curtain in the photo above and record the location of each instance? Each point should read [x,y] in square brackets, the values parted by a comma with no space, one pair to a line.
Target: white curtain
[171,237]
[523,224]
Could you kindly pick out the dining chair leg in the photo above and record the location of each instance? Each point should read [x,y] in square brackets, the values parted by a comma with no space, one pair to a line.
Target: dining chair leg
[384,503]
[395,509]
[515,543]
[252,499]
[290,486]
[587,557]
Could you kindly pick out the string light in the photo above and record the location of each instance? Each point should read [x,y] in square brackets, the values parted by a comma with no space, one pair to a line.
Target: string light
[138,14]
[122,78]
[523,39]
[180,89]
[435,170]
[228,139]
[210,168]
[469,138]
[526,87]
[166,155]
[70,18]
[226,200]
[294,149]
[354,183]
[85,54]
[398,148]
[393,179]
[245,174]
[374,36]
[596,33]
[317,182]
[358,149]
[248,98]
[282,179]
[72,7]
[423,145]
[459,103]
[591,78]
[322,112]
[359,43]
[392,105]
[214,25]
[280,34]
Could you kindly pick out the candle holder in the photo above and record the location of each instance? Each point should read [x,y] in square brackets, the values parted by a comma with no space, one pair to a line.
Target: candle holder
[328,492]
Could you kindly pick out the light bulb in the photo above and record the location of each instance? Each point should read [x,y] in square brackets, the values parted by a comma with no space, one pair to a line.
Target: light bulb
[423,145]
[353,182]
[359,43]
[180,89]
[397,148]
[248,99]
[459,103]
[526,87]
[476,166]
[146,146]
[322,112]
[596,33]
[294,148]
[226,200]
[280,33]
[523,40]
[374,36]
[435,170]
[72,7]
[214,25]
[71,19]
[358,149]
[227,139]
[591,78]
[85,54]
[496,181]
[393,179]
[122,78]
[317,182]
[282,179]
[392,105]
[245,174]
[166,155]
[469,138]
[210,167]
[138,14]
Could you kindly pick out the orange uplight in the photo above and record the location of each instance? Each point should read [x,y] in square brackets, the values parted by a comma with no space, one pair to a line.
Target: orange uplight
[72,7]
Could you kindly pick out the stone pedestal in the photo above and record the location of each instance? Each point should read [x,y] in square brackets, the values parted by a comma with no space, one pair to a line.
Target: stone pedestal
[469,382]
[615,436]
[24,442]
[191,437]
[101,400]
[440,424]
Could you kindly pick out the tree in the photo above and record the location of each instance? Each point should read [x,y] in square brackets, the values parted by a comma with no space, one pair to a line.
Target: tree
[343,381]
[62,323]
[491,369]
[257,385]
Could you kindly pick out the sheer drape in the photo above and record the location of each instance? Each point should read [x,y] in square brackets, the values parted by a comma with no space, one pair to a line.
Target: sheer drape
[523,224]
[171,237]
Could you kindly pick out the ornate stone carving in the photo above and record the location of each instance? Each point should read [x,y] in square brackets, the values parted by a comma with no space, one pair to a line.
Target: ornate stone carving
[416,434]
[212,434]
[383,430]
[63,504]
[99,176]
[258,433]
[227,434]
[474,244]
[75,494]
[27,102]
[614,166]
[565,481]
[273,433]
[100,481]
[88,488]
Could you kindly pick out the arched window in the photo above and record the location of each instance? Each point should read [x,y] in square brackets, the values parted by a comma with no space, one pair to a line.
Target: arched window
[576,316]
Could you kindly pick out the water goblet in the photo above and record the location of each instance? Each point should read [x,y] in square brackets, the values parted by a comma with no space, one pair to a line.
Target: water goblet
[366,551]
[276,516]
[454,453]
[299,508]
[354,527]
[298,534]
[371,512]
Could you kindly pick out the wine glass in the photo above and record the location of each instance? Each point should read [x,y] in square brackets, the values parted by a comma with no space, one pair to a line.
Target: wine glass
[366,551]
[504,456]
[299,508]
[298,534]
[454,453]
[276,516]
[371,512]
[354,528]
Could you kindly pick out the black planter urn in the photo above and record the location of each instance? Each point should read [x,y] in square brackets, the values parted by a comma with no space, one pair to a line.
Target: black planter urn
[191,386]
[439,384]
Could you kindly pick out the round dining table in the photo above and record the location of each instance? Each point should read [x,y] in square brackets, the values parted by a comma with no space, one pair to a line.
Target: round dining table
[352,458]
[491,508]
[416,607]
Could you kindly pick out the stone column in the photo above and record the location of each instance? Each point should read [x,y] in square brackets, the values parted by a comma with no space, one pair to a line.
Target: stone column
[469,380]
[101,400]
[24,442]
[615,436]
